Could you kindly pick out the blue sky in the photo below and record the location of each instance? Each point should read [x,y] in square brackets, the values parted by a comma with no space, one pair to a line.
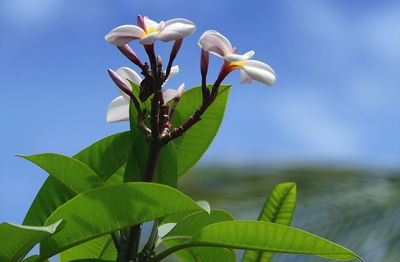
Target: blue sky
[335,99]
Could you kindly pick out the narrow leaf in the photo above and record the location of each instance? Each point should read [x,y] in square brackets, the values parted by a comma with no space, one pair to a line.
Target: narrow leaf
[278,208]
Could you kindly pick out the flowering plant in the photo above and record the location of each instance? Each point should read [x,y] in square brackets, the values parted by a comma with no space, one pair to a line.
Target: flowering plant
[92,205]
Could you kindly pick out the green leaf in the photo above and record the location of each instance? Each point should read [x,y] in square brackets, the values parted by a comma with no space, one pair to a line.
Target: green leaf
[278,208]
[194,143]
[167,171]
[104,157]
[98,248]
[33,258]
[72,173]
[137,159]
[269,237]
[107,209]
[16,241]
[191,225]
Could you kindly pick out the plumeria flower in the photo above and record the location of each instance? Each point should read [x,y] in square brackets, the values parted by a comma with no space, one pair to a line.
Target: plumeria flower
[217,44]
[118,110]
[148,31]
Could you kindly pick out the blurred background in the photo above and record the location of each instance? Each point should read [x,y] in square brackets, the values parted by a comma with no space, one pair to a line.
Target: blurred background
[331,123]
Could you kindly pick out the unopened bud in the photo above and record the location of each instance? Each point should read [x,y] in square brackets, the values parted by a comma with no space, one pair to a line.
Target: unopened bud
[119,82]
[128,52]
[204,62]
[140,22]
[159,61]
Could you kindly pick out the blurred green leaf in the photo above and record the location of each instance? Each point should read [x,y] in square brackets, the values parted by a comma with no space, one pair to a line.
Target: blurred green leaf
[194,143]
[16,241]
[278,208]
[263,236]
[191,225]
[104,157]
[72,173]
[106,209]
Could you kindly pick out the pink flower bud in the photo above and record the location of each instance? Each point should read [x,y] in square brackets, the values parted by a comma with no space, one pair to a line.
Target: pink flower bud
[204,62]
[119,82]
[140,22]
[128,52]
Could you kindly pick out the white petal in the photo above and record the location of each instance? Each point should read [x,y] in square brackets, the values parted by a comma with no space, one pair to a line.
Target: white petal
[174,71]
[168,94]
[124,34]
[118,110]
[124,73]
[245,78]
[150,23]
[215,43]
[149,39]
[176,29]
[260,72]
[237,58]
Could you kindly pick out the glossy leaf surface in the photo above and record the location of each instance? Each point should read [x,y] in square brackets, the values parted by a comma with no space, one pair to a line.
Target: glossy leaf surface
[16,241]
[104,210]
[104,157]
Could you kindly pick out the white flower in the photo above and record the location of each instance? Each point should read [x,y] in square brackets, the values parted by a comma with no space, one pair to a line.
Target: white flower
[148,31]
[250,70]
[118,110]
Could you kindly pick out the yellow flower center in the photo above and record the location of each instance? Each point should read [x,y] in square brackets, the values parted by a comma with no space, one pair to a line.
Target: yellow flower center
[149,30]
[235,65]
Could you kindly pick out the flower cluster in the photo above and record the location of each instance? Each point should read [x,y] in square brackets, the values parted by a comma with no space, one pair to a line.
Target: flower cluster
[148,31]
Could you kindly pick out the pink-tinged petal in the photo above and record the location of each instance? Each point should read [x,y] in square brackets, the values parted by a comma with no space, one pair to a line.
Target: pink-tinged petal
[168,94]
[124,34]
[149,39]
[175,29]
[150,23]
[260,72]
[215,43]
[238,58]
[245,78]
[118,110]
[124,73]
